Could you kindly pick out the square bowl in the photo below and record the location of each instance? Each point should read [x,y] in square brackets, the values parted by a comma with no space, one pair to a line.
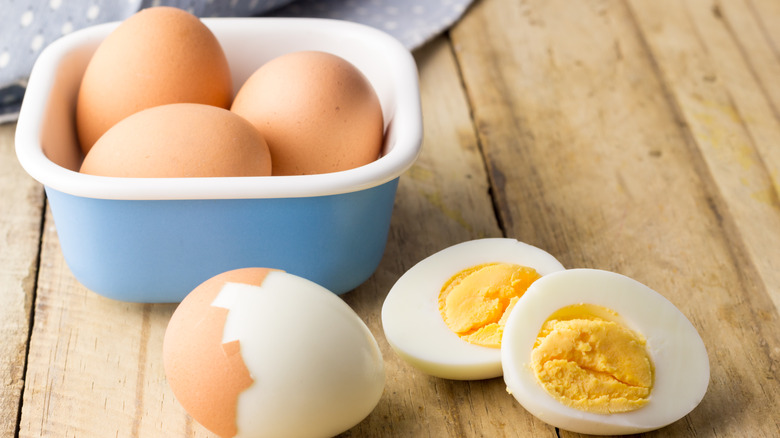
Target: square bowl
[155,239]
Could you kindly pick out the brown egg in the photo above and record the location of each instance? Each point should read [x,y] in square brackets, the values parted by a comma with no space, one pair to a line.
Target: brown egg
[180,140]
[317,111]
[257,352]
[158,56]
[206,375]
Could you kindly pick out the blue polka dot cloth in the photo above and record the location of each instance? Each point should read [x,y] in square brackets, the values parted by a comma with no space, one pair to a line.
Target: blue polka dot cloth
[27,26]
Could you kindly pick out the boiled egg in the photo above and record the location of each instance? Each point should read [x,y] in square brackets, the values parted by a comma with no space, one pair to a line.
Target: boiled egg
[595,352]
[446,314]
[257,352]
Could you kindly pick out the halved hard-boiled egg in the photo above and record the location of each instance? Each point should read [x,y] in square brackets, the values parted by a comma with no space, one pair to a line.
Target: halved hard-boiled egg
[257,352]
[445,315]
[595,352]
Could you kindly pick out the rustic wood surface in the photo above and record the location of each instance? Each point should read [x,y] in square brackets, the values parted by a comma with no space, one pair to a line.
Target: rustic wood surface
[641,137]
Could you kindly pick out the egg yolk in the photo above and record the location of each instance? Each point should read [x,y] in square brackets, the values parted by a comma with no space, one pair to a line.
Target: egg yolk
[587,359]
[476,301]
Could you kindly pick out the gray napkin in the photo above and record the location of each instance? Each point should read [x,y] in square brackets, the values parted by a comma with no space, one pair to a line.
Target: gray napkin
[27,26]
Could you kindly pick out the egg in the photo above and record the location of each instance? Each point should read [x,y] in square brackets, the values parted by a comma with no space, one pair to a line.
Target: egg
[317,111]
[180,140]
[445,315]
[257,352]
[596,352]
[158,56]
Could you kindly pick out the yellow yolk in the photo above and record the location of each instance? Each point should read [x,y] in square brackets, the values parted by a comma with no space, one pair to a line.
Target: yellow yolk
[587,359]
[476,301]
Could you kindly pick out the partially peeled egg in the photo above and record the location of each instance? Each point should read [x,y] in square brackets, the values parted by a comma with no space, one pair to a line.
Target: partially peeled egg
[257,352]
[446,314]
[595,352]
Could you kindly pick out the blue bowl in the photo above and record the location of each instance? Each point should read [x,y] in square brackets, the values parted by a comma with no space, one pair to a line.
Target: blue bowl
[155,239]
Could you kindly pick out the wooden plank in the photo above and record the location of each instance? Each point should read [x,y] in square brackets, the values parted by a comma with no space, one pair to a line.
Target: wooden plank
[591,161]
[21,212]
[753,31]
[722,99]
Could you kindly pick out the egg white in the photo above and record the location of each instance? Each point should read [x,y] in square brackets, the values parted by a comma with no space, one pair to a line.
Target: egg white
[677,351]
[416,330]
[317,369]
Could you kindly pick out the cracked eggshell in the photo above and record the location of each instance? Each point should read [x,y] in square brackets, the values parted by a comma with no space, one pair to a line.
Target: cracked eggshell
[257,352]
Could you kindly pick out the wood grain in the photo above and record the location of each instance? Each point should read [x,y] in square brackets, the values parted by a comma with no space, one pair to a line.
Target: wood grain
[21,206]
[638,137]
[594,136]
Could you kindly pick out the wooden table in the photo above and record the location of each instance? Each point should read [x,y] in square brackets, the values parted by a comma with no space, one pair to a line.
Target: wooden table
[640,137]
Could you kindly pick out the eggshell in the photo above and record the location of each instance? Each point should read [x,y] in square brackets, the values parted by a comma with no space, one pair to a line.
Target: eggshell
[285,357]
[158,56]
[194,352]
[180,140]
[317,111]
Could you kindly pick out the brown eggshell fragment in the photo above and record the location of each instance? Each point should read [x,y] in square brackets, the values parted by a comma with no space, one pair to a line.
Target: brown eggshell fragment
[317,111]
[180,140]
[158,56]
[207,376]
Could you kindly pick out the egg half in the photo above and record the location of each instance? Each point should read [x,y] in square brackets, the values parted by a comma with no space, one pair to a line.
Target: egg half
[257,352]
[445,315]
[596,352]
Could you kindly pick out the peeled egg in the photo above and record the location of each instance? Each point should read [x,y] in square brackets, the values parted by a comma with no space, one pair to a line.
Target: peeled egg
[473,285]
[317,111]
[180,140]
[595,352]
[257,352]
[158,56]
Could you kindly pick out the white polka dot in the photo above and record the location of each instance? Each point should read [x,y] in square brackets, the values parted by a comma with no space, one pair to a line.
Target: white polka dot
[361,11]
[55,4]
[93,12]
[27,18]
[156,3]
[36,43]
[391,10]
[5,59]
[418,9]
[390,25]
[67,28]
